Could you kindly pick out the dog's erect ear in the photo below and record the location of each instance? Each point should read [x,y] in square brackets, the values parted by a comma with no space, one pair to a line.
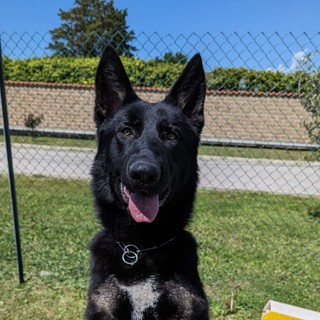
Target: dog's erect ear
[113,87]
[189,91]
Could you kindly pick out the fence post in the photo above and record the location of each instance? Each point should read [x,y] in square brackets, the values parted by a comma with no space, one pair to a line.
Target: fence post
[11,171]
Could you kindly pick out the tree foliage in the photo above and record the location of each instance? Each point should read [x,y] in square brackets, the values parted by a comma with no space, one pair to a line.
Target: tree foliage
[88,27]
[311,98]
[311,103]
[171,57]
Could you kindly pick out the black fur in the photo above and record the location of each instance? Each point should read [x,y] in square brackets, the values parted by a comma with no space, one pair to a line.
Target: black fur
[146,159]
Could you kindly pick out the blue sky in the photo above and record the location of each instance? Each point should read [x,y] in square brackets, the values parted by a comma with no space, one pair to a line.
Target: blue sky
[176,17]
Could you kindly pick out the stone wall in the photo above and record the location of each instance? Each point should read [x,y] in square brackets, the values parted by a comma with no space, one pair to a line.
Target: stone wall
[243,116]
[259,118]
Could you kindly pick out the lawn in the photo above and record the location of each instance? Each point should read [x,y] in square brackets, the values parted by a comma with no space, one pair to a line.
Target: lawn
[253,247]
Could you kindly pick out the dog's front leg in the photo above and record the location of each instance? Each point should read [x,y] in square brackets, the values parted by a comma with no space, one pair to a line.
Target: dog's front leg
[106,300]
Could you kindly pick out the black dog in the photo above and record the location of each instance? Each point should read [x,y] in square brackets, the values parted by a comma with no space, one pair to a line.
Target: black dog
[143,263]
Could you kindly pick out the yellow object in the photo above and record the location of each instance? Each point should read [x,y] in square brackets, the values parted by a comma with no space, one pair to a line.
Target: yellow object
[280,311]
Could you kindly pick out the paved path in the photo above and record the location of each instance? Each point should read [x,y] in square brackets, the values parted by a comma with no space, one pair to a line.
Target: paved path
[276,176]
[58,162]
[283,177]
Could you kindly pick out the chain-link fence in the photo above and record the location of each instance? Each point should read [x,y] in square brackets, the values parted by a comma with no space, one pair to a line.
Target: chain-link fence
[259,164]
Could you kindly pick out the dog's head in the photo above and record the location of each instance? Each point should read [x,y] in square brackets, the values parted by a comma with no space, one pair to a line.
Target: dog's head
[147,152]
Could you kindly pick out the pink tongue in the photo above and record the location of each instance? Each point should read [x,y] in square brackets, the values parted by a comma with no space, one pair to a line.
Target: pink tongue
[143,208]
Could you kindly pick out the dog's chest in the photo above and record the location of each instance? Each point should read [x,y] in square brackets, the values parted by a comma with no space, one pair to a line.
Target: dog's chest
[142,296]
[151,298]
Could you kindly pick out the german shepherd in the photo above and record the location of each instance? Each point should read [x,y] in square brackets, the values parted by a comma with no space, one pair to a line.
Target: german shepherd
[144,265]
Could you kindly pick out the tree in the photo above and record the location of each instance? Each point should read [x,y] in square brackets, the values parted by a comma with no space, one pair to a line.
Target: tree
[88,27]
[311,103]
[31,121]
[170,57]
[311,97]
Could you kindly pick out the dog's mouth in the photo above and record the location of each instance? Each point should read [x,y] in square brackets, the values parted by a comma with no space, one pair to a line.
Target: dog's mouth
[142,206]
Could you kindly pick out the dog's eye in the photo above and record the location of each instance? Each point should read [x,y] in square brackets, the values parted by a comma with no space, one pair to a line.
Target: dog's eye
[126,131]
[172,136]
[169,135]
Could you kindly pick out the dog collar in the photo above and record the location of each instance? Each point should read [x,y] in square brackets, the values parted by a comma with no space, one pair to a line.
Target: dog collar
[131,252]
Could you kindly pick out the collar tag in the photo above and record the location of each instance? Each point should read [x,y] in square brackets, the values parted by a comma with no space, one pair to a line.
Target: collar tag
[131,252]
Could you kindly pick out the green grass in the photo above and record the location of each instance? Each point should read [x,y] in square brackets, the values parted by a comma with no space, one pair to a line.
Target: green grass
[253,247]
[256,153]
[52,141]
[260,153]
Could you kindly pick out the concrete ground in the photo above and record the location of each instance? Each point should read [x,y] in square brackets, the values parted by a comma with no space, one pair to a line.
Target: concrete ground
[276,176]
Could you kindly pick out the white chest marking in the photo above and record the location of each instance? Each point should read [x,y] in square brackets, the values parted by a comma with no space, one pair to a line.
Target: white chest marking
[143,295]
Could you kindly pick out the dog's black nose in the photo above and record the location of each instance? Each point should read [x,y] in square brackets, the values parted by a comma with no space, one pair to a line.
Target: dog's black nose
[144,173]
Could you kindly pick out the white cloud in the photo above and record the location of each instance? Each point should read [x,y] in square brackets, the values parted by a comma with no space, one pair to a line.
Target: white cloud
[297,61]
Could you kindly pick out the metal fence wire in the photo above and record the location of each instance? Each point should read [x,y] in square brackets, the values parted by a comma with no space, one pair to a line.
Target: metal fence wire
[256,154]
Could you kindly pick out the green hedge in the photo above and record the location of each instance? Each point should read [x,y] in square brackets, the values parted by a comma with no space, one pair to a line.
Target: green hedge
[150,74]
[254,80]
[82,71]
[53,70]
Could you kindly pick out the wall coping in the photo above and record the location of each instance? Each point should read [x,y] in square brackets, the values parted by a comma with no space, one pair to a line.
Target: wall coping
[157,90]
